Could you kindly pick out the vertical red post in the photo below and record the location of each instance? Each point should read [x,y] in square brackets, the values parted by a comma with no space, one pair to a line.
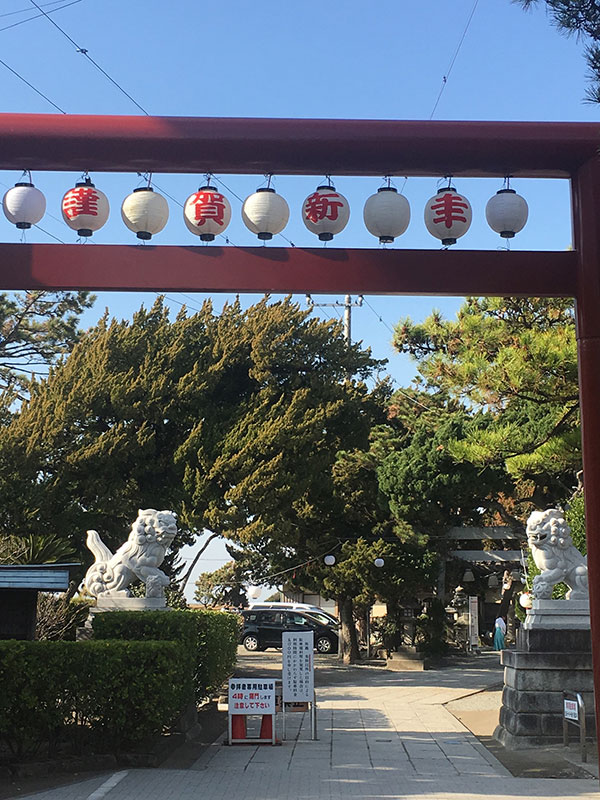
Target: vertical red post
[586,215]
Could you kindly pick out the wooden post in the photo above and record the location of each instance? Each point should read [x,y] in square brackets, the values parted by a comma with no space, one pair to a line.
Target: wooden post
[586,215]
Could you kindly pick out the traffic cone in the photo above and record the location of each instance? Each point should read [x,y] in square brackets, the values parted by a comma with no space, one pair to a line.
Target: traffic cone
[238,726]
[266,727]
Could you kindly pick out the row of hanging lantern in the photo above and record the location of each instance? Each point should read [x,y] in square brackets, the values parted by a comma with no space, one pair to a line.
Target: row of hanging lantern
[325,212]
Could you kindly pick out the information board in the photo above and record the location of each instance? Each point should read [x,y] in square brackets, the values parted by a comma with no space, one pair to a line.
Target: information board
[251,696]
[298,667]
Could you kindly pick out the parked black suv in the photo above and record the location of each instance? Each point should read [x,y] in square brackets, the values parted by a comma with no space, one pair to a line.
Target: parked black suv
[263,628]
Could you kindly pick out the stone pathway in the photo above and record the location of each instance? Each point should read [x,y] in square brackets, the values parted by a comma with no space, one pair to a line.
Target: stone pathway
[381,735]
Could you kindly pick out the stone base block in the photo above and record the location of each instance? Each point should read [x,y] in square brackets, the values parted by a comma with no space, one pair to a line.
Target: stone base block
[558,614]
[532,700]
[551,640]
[109,603]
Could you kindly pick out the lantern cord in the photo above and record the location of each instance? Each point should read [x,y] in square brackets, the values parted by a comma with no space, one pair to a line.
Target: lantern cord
[84,52]
[35,16]
[31,86]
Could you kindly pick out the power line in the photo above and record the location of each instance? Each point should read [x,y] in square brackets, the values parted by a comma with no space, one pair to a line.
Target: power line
[31,86]
[454,57]
[84,52]
[36,16]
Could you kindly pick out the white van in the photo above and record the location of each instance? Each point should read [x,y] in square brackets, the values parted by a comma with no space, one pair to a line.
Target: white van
[324,617]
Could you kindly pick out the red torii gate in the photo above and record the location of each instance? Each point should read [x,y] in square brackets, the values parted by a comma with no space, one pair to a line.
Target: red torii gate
[337,147]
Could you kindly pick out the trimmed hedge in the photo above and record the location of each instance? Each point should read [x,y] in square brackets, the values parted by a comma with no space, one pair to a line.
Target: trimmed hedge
[121,692]
[209,638]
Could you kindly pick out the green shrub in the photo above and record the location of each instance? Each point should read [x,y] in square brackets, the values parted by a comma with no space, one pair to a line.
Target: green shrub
[218,634]
[209,638]
[120,691]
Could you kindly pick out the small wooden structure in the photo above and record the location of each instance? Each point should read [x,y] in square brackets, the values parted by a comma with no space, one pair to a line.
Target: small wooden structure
[19,587]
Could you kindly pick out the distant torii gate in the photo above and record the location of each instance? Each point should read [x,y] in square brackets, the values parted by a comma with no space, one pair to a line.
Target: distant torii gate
[336,147]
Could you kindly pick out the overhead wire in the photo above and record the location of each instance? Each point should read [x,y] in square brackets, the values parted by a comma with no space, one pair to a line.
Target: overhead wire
[453,59]
[31,86]
[84,52]
[35,16]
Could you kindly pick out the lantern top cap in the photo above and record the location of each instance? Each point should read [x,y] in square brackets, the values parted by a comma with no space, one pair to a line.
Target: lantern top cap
[86,182]
[265,189]
[143,189]
[446,189]
[208,188]
[330,187]
[506,191]
[24,183]
[387,189]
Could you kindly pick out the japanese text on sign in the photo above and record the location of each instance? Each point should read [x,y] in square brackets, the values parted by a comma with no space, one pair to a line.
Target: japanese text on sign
[298,667]
[570,710]
[255,696]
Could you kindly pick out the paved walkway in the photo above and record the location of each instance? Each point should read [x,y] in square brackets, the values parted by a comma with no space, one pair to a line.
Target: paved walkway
[381,735]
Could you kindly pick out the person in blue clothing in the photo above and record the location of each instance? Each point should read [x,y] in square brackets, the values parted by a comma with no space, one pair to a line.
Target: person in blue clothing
[499,631]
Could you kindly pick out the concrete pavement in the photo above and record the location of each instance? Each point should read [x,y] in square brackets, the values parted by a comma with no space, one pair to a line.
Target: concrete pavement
[381,735]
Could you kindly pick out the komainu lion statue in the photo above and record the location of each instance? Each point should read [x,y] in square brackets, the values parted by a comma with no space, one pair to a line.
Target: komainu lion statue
[139,557]
[554,553]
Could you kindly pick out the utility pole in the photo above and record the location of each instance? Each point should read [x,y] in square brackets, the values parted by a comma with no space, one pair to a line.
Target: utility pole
[348,304]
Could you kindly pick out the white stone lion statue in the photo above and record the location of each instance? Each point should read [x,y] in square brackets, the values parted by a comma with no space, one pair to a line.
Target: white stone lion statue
[139,557]
[554,553]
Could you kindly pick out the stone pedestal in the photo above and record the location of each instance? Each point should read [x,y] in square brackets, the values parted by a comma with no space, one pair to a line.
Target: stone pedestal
[558,615]
[553,654]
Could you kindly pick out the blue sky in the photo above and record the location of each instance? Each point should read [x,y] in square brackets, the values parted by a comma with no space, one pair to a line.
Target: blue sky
[384,60]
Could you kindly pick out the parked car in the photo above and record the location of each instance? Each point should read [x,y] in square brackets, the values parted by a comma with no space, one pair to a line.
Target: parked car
[264,627]
[324,617]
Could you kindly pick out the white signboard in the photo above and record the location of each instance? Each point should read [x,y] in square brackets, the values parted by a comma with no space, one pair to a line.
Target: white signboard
[298,667]
[570,710]
[251,696]
[473,621]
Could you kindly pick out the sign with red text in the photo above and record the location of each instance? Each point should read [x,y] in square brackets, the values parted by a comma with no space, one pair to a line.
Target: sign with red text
[251,696]
[298,667]
[570,710]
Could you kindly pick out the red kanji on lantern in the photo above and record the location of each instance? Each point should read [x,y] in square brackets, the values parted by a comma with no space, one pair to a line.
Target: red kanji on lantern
[449,208]
[208,205]
[81,200]
[321,205]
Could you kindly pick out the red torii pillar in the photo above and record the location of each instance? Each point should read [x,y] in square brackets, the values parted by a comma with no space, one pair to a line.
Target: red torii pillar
[339,147]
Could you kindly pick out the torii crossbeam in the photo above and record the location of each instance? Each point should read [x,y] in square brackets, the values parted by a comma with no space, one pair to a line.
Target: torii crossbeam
[340,147]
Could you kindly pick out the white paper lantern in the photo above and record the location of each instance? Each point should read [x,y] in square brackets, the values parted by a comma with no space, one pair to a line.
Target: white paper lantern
[506,213]
[265,213]
[448,215]
[329,560]
[379,562]
[24,205]
[207,213]
[386,214]
[254,592]
[525,600]
[85,208]
[145,212]
[325,212]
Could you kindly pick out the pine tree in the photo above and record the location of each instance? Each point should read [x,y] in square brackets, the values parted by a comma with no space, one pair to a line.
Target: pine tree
[581,18]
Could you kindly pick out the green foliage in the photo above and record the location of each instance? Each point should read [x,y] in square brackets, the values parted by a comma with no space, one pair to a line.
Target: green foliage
[31,549]
[218,635]
[512,363]
[233,421]
[581,18]
[209,639]
[431,629]
[223,586]
[35,328]
[120,692]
